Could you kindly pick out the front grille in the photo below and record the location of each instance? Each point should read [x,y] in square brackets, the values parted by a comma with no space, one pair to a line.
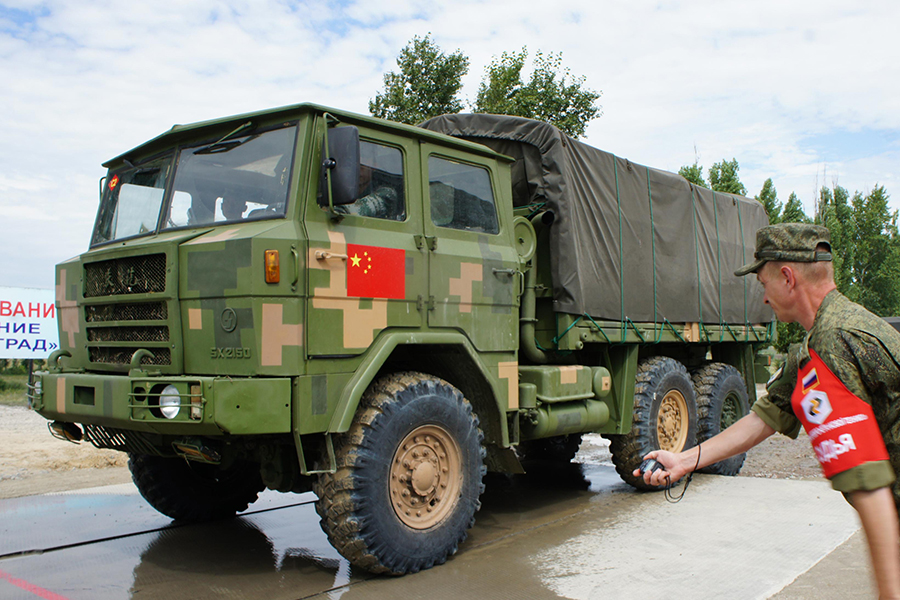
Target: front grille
[116,330]
[149,311]
[123,276]
[122,356]
[119,439]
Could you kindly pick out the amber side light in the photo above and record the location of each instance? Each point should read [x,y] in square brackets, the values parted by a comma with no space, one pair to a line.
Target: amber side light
[273,267]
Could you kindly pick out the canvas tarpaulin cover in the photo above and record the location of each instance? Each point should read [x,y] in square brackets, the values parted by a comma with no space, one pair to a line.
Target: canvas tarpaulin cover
[627,241]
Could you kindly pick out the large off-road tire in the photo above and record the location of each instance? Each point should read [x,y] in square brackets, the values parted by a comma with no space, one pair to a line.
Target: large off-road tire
[665,417]
[191,491]
[560,449]
[409,476]
[722,400]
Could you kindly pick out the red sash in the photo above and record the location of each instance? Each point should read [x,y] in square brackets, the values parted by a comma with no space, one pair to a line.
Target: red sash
[841,426]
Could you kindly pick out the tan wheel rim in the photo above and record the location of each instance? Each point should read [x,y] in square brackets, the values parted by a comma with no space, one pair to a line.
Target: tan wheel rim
[425,477]
[673,422]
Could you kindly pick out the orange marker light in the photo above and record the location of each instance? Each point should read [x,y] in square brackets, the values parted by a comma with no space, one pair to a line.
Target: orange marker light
[273,267]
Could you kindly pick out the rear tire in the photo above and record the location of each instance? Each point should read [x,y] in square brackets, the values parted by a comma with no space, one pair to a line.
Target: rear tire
[722,400]
[665,417]
[409,476]
[192,491]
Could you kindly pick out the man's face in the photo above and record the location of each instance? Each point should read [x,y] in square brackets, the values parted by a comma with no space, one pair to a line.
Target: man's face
[777,291]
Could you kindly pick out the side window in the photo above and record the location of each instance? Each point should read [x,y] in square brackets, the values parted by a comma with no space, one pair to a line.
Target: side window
[461,196]
[381,185]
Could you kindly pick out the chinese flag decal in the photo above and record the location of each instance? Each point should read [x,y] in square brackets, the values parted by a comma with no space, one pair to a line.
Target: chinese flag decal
[374,272]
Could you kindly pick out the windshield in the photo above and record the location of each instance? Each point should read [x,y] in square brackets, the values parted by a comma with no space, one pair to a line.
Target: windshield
[241,178]
[131,201]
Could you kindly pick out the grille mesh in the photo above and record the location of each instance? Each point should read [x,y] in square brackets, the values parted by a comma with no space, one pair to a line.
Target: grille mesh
[122,356]
[150,311]
[123,276]
[129,334]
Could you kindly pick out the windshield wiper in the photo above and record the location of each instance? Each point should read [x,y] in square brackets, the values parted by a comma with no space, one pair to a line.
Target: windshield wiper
[221,145]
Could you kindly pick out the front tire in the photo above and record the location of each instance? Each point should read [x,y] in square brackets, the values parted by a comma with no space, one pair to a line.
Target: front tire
[194,492]
[665,417]
[722,400]
[409,476]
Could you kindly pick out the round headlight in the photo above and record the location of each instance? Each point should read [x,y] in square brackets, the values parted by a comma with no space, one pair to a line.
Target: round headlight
[169,402]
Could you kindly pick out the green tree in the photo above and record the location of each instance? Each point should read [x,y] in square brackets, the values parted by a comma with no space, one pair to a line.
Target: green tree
[694,174]
[793,211]
[723,177]
[875,266]
[552,93]
[835,213]
[427,84]
[768,197]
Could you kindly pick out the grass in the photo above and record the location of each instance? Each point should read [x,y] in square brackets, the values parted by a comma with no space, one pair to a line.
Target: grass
[12,390]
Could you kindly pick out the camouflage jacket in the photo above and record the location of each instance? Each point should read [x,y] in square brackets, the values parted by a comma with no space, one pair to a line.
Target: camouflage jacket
[863,351]
[383,203]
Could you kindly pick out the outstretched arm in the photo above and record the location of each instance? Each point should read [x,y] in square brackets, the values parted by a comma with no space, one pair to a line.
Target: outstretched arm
[740,437]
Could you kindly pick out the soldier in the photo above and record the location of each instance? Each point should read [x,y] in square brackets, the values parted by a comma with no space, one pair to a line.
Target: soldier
[842,384]
[233,208]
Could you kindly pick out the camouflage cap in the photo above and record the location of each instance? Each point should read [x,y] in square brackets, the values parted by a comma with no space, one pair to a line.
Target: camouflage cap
[789,242]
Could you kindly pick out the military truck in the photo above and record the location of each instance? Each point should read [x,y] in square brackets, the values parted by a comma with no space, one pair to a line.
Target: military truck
[308,299]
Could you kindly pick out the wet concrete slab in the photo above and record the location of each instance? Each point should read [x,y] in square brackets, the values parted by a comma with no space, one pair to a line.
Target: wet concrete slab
[554,533]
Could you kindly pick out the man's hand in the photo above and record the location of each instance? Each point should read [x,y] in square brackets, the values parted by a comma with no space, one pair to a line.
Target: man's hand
[740,437]
[672,469]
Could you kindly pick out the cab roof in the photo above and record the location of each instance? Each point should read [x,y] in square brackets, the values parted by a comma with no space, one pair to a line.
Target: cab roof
[180,133]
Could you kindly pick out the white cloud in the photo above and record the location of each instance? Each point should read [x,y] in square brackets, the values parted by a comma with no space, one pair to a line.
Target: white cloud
[85,81]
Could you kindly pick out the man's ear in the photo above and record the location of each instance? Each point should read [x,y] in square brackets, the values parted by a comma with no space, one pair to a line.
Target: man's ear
[790,277]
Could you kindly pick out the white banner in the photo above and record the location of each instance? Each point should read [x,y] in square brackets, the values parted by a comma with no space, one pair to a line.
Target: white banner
[28,326]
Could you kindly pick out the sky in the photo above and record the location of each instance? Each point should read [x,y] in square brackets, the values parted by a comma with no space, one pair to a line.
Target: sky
[805,92]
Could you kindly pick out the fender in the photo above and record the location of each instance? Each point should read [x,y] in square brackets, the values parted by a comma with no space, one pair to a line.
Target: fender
[379,353]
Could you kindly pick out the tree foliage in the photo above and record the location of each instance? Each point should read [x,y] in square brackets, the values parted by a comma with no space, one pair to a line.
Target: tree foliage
[428,84]
[694,174]
[768,197]
[552,93]
[723,177]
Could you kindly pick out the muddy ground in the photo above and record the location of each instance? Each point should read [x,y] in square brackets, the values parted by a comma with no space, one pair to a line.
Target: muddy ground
[33,462]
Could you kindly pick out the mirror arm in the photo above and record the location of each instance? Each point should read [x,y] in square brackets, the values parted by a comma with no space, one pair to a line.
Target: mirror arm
[328,164]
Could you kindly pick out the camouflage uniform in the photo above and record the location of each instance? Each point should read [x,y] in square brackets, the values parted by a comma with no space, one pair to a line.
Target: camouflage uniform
[861,349]
[380,204]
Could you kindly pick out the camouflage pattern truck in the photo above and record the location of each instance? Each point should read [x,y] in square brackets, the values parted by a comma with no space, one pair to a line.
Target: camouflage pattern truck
[308,299]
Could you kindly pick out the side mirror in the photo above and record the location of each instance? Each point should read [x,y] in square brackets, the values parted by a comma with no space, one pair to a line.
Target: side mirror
[340,167]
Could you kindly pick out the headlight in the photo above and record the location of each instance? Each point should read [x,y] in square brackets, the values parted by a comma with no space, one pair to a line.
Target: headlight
[169,402]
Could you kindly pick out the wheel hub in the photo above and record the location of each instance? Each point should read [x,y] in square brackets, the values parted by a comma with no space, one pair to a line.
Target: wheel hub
[426,477]
[672,422]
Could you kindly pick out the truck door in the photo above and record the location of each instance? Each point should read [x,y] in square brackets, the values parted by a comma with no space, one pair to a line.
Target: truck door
[473,266]
[365,271]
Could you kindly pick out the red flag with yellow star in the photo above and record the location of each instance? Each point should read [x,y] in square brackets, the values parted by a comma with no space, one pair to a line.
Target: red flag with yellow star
[374,272]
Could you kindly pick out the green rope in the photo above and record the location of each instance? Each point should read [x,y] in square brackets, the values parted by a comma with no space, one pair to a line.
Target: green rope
[621,259]
[743,279]
[733,334]
[675,331]
[563,334]
[600,329]
[697,256]
[536,208]
[652,246]
[718,255]
[636,330]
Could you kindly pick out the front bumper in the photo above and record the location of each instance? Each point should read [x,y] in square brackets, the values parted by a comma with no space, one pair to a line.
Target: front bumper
[209,406]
